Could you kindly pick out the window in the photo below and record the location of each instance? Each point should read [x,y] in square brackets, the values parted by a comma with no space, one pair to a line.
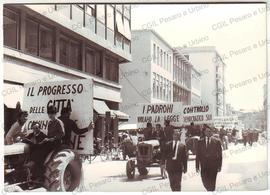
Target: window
[127,11]
[154,53]
[157,86]
[11,28]
[75,55]
[110,17]
[98,64]
[127,29]
[161,87]
[164,60]
[46,43]
[64,51]
[154,85]
[157,55]
[101,13]
[119,8]
[90,9]
[70,52]
[90,61]
[161,59]
[167,62]
[119,23]
[112,68]
[31,42]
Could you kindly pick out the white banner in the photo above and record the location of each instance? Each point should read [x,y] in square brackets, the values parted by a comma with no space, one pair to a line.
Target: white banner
[75,94]
[198,114]
[226,121]
[158,113]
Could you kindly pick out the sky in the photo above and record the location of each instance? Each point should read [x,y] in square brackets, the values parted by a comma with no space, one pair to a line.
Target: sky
[238,31]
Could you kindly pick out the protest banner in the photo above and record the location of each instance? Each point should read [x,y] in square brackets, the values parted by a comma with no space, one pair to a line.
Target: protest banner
[198,114]
[74,94]
[158,113]
[226,121]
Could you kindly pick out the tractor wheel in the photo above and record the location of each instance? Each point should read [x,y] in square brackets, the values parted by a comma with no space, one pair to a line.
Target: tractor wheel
[63,172]
[130,169]
[143,170]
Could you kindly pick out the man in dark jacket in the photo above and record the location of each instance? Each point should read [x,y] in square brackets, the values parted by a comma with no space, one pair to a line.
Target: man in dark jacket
[176,161]
[168,130]
[209,159]
[147,132]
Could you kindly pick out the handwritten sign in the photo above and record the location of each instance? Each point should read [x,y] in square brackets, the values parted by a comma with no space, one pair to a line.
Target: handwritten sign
[198,114]
[226,121]
[158,113]
[74,94]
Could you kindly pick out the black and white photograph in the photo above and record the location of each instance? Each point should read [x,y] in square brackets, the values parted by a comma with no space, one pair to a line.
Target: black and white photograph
[134,96]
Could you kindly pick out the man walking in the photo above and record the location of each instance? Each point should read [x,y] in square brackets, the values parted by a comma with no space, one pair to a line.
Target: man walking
[209,159]
[176,161]
[168,130]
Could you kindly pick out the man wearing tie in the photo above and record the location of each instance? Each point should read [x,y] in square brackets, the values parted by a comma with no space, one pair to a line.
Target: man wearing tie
[176,161]
[209,159]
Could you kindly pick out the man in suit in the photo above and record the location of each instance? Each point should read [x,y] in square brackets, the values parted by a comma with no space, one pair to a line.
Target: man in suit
[209,159]
[176,161]
[168,130]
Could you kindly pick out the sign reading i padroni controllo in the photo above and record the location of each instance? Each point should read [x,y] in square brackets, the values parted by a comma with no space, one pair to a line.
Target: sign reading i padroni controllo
[74,94]
[175,112]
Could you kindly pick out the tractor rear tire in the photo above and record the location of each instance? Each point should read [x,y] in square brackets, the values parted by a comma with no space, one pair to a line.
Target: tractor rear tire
[63,172]
[143,170]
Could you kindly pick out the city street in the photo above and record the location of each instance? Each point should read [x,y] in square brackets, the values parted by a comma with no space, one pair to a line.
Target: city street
[244,168]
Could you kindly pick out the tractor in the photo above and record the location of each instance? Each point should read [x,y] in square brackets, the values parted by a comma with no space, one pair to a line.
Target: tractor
[148,155]
[62,170]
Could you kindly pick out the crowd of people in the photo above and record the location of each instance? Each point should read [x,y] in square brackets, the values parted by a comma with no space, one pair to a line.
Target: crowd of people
[174,152]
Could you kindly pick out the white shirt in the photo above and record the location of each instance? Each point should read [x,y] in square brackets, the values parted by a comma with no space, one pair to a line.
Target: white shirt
[206,138]
[175,154]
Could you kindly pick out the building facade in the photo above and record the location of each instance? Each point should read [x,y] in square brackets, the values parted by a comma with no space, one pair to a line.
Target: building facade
[186,80]
[212,69]
[52,42]
[149,77]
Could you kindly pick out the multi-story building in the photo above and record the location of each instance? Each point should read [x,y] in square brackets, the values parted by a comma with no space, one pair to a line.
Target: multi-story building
[186,80]
[209,63]
[182,78]
[67,41]
[195,87]
[149,77]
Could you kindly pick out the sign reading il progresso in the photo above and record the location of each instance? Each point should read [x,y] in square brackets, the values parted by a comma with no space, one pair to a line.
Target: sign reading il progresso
[74,94]
[175,112]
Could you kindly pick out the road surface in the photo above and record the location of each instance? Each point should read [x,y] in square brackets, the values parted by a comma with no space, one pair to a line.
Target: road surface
[244,168]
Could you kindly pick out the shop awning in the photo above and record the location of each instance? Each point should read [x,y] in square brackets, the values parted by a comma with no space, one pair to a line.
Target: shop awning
[101,107]
[120,115]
